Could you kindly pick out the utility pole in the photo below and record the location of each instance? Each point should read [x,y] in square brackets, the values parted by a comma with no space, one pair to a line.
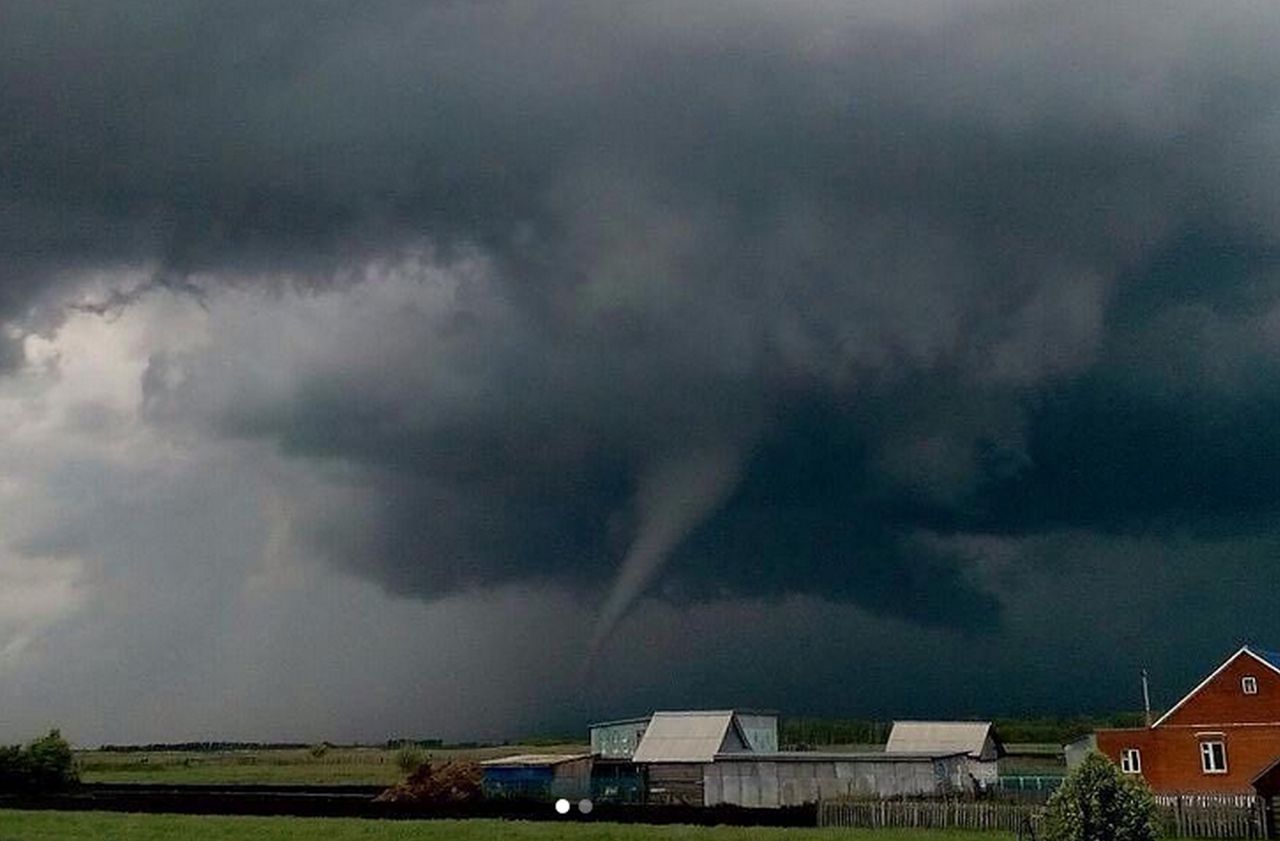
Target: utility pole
[1146,698]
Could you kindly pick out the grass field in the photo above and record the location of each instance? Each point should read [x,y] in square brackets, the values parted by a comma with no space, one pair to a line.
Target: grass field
[56,826]
[374,766]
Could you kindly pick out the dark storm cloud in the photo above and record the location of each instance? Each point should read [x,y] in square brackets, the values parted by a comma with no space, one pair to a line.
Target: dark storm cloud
[903,272]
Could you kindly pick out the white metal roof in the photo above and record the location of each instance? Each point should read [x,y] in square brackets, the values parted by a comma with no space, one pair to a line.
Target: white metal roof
[940,737]
[536,759]
[684,737]
[835,756]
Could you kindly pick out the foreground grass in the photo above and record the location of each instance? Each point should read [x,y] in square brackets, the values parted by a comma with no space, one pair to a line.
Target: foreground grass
[56,826]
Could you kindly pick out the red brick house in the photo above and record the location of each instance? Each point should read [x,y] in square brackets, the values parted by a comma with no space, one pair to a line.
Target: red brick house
[1217,739]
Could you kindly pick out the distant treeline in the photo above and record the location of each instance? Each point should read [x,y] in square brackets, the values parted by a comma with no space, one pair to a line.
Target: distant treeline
[202,747]
[1060,730]
[810,732]
[1056,730]
[213,747]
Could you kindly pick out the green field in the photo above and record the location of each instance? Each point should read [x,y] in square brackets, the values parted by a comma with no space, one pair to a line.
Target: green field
[373,766]
[55,826]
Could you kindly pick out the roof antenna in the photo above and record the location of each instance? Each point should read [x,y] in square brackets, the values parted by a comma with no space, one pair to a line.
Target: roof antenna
[1146,698]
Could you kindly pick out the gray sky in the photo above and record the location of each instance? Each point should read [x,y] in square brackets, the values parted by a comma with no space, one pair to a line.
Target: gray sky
[469,369]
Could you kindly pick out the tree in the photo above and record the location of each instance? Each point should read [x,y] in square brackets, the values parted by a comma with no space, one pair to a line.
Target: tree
[1096,802]
[45,764]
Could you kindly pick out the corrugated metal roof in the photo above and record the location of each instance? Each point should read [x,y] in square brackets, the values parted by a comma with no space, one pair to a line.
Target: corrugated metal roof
[684,736]
[941,737]
[536,759]
[834,756]
[616,721]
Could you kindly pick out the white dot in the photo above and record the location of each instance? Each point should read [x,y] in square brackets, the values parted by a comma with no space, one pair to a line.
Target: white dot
[585,806]
[562,806]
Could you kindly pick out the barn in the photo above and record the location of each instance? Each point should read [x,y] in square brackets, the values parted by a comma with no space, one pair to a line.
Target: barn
[975,739]
[1219,738]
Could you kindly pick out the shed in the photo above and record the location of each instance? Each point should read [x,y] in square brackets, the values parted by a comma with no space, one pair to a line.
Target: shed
[538,776]
[974,739]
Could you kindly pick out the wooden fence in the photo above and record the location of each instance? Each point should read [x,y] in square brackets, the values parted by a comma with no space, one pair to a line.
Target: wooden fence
[1177,817]
[1211,816]
[925,814]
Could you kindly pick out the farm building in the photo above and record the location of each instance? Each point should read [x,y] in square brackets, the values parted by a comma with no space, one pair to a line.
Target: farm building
[538,776]
[731,757]
[1218,739]
[724,757]
[974,739]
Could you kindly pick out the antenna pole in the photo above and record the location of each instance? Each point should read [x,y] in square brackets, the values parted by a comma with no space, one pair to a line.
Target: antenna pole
[1146,698]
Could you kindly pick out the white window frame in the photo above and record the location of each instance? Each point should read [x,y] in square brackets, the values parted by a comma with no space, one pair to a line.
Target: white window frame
[1249,685]
[1207,764]
[1131,761]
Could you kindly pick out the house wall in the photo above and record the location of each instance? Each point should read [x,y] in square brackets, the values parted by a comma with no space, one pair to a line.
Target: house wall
[1221,701]
[1170,756]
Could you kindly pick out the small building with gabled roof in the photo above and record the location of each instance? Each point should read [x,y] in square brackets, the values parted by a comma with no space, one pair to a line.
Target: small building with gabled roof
[695,736]
[975,739]
[1216,739]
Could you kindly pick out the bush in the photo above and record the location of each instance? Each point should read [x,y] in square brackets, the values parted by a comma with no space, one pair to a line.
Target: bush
[1096,802]
[45,764]
[409,758]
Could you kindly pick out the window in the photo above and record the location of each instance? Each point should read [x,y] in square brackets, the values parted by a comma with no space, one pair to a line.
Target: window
[1131,761]
[1213,757]
[1249,684]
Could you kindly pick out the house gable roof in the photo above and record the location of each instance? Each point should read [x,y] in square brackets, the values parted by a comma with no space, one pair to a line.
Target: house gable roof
[689,737]
[939,737]
[1270,659]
